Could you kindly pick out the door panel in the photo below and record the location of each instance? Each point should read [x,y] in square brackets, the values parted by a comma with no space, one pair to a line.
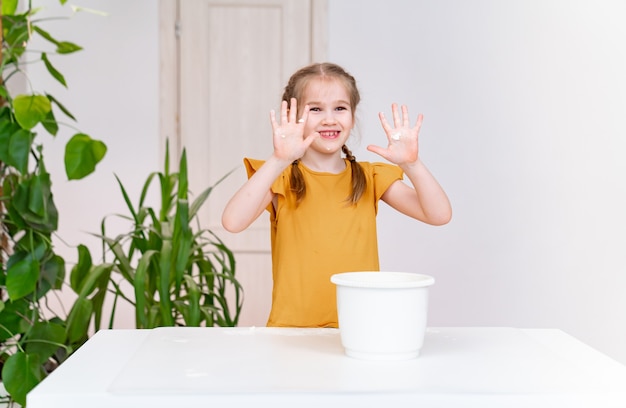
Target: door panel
[231,61]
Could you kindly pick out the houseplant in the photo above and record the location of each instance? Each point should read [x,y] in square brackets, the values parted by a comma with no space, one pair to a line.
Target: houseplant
[33,339]
[180,274]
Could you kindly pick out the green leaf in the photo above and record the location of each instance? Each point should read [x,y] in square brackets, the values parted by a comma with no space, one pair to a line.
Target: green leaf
[20,374]
[141,275]
[22,278]
[12,318]
[164,284]
[52,70]
[33,202]
[66,47]
[81,269]
[9,7]
[44,34]
[92,280]
[15,36]
[60,106]
[50,123]
[52,275]
[15,147]
[44,339]
[31,110]
[82,153]
[78,319]
[193,318]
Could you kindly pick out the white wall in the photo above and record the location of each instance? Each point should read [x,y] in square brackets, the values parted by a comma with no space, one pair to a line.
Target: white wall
[524,105]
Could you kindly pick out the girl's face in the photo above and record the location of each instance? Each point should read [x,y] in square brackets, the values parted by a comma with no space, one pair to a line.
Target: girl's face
[330,114]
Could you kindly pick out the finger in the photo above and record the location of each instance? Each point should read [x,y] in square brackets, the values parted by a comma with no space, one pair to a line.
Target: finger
[396,115]
[418,123]
[283,112]
[305,114]
[293,110]
[310,139]
[405,116]
[378,150]
[384,123]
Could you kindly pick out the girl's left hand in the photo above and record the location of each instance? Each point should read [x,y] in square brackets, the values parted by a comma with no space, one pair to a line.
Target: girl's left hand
[403,139]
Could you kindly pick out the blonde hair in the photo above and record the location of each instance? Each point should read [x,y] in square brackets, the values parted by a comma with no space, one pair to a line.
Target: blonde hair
[295,89]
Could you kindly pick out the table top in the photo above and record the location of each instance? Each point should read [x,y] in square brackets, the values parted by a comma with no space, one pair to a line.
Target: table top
[457,367]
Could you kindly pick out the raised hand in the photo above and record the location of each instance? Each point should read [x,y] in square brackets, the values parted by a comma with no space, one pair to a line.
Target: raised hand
[403,147]
[290,142]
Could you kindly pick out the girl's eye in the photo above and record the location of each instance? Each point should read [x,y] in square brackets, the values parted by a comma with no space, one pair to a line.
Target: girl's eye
[341,108]
[314,110]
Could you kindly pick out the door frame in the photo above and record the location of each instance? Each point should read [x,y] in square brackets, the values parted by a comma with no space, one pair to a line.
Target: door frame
[169,69]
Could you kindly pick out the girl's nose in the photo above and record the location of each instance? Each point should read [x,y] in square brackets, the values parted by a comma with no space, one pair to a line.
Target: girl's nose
[329,118]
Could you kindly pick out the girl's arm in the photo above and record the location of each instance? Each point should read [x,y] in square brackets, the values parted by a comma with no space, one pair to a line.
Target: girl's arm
[253,197]
[426,201]
[256,194]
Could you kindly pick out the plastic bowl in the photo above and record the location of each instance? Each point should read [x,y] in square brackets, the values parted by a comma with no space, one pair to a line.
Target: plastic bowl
[382,315]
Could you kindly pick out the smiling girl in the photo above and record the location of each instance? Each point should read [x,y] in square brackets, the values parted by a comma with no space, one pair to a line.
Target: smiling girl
[323,205]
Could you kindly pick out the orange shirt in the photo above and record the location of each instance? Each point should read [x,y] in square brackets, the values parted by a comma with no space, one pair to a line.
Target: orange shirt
[321,236]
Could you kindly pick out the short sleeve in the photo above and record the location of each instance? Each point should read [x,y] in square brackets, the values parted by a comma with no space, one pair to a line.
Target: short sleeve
[279,185]
[384,175]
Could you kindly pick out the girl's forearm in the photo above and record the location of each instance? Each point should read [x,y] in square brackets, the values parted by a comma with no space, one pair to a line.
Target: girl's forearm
[431,197]
[253,197]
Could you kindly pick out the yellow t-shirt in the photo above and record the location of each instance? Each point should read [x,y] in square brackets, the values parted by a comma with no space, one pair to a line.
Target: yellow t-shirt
[321,236]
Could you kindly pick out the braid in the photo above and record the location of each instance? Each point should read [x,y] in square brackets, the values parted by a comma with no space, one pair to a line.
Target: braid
[296,182]
[359,182]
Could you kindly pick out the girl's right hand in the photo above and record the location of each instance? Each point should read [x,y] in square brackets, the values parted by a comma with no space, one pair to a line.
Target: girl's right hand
[288,135]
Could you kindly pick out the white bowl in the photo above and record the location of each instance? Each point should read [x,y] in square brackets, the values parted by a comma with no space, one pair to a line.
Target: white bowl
[382,315]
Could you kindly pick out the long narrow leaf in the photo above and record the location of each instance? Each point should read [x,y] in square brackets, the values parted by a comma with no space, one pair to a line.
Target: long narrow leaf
[141,297]
[164,284]
[193,318]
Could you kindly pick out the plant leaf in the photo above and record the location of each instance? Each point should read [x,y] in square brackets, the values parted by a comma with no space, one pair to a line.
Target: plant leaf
[22,278]
[33,202]
[141,274]
[12,319]
[9,7]
[52,275]
[82,153]
[81,269]
[60,106]
[50,123]
[30,110]
[43,340]
[16,147]
[193,318]
[65,47]
[78,319]
[20,374]
[165,265]
[52,70]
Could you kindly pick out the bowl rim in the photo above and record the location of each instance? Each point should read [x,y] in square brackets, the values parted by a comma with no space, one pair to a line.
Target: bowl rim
[396,280]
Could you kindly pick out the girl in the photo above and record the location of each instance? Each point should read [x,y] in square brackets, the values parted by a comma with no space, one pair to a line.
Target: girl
[322,206]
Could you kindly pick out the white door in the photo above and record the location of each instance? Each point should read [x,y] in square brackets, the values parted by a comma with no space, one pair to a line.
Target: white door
[224,64]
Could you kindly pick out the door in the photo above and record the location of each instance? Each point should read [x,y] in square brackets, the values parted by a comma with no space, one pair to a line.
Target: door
[224,64]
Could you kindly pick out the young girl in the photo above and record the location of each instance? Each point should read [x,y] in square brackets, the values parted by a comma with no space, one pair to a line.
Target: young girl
[322,206]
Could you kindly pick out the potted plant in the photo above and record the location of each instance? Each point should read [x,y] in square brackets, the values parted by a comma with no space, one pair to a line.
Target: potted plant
[180,274]
[31,342]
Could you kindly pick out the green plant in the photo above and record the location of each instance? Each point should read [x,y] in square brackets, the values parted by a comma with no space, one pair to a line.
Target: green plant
[33,339]
[179,275]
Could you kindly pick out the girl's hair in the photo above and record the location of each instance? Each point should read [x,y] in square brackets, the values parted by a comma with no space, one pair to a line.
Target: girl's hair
[295,89]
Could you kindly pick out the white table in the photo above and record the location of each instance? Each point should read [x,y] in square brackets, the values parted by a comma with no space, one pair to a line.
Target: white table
[246,367]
